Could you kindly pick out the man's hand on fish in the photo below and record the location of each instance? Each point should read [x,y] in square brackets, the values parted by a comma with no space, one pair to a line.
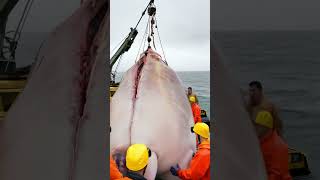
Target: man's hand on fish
[174,170]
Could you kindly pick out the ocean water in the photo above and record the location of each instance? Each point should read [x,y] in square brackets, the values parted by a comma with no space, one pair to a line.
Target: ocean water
[200,83]
[288,65]
[30,42]
[198,80]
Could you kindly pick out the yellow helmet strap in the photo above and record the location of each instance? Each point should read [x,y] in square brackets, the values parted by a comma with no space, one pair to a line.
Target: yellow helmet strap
[198,136]
[149,152]
[144,170]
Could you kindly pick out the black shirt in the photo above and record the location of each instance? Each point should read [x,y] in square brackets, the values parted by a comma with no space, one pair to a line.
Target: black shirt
[135,176]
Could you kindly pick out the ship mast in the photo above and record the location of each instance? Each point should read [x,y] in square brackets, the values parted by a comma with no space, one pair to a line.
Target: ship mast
[8,44]
[6,7]
[126,45]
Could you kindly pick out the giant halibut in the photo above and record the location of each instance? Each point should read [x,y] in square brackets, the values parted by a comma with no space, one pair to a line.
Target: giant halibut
[151,107]
[56,128]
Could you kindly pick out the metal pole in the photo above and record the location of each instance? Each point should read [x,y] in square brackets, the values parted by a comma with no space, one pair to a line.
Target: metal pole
[4,13]
[3,22]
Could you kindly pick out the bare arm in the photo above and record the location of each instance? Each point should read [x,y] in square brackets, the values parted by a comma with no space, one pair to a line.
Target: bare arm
[197,101]
[277,121]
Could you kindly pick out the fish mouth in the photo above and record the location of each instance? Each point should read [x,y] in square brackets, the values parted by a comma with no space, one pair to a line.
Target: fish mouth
[88,58]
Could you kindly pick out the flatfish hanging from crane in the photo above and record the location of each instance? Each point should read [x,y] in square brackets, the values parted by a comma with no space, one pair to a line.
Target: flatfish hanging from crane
[56,129]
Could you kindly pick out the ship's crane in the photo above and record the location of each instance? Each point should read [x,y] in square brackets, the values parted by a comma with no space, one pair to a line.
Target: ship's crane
[6,7]
[126,45]
[9,40]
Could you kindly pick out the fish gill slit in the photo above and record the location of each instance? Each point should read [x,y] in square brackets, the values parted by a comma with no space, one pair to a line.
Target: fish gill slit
[86,65]
[85,71]
[136,87]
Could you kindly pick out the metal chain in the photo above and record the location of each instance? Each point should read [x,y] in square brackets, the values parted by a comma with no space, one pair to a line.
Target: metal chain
[157,27]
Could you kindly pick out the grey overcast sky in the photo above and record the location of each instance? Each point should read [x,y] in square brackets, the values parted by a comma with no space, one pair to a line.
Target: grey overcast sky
[263,15]
[43,17]
[44,14]
[184,29]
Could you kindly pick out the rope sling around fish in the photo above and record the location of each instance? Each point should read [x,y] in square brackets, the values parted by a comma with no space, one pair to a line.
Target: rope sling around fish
[153,24]
[148,36]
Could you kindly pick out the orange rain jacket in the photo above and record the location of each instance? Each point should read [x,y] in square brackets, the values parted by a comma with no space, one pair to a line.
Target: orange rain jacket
[115,174]
[196,111]
[199,166]
[275,154]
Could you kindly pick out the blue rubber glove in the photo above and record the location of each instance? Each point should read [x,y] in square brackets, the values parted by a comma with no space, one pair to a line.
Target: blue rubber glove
[174,170]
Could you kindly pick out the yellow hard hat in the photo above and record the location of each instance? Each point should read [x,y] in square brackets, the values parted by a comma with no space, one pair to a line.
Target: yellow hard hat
[264,118]
[192,99]
[202,129]
[137,157]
